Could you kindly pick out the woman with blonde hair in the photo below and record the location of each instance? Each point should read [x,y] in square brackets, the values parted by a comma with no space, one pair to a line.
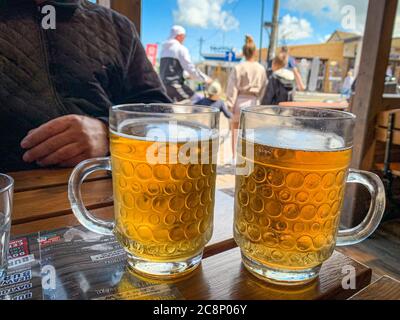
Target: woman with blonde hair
[246,86]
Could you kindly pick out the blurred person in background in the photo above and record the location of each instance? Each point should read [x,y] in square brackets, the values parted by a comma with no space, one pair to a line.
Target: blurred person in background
[175,61]
[281,83]
[292,66]
[246,85]
[213,99]
[347,85]
[57,85]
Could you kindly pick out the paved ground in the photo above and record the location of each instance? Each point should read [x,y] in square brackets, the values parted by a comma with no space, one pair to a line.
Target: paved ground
[225,150]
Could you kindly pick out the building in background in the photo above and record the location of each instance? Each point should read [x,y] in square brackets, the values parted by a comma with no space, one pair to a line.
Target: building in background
[323,66]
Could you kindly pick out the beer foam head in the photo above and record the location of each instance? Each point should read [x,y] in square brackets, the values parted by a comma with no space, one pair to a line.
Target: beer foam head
[165,131]
[296,139]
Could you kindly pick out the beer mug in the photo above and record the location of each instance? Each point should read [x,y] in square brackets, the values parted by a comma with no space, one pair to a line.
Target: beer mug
[292,169]
[163,164]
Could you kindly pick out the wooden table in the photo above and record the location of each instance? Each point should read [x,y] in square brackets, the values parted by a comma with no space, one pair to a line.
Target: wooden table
[340,106]
[385,288]
[41,203]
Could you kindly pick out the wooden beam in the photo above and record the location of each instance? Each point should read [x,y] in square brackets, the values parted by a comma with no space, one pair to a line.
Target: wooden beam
[368,100]
[130,8]
[391,101]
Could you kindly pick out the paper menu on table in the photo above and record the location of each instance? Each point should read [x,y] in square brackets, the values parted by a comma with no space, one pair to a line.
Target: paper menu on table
[75,264]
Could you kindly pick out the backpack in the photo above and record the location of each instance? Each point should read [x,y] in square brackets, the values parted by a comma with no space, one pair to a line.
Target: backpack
[281,88]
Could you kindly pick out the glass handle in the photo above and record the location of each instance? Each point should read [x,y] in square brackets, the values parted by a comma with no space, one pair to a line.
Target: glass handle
[83,215]
[376,211]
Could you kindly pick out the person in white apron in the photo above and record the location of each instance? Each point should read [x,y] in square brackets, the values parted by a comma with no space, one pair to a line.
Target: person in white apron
[246,86]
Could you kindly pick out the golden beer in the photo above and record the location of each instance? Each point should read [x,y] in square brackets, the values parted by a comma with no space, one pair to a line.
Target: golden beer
[287,209]
[163,211]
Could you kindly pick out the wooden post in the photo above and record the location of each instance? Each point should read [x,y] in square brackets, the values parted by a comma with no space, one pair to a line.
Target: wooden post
[368,100]
[130,8]
[274,32]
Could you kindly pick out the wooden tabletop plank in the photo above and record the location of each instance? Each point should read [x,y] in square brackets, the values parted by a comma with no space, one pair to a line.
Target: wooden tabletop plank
[223,277]
[58,222]
[46,178]
[51,202]
[385,288]
[222,239]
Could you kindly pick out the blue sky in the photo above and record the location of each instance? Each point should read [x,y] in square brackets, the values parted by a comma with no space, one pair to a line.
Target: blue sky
[305,21]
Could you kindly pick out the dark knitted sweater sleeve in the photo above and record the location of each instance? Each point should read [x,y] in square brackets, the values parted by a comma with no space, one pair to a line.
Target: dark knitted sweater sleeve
[140,82]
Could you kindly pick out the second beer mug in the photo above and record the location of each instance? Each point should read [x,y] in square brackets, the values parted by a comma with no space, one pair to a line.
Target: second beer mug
[163,162]
[293,165]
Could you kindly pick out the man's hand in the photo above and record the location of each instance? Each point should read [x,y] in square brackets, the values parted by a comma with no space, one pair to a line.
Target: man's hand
[66,141]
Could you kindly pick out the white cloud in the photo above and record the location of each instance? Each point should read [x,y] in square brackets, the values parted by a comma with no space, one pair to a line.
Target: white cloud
[293,28]
[205,14]
[331,10]
[324,38]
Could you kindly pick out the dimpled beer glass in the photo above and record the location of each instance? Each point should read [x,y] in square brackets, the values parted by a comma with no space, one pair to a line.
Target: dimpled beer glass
[163,164]
[292,168]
